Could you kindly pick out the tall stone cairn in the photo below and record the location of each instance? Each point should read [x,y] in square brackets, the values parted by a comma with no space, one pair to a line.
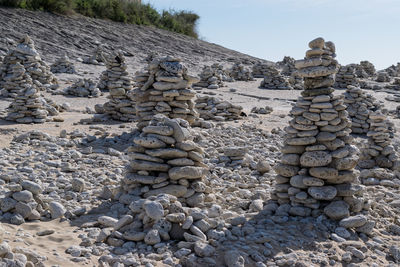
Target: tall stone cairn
[164,88]
[26,54]
[346,76]
[115,79]
[316,172]
[27,105]
[359,106]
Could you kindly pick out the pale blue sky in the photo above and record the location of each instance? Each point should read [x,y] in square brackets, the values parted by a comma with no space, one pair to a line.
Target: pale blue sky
[271,29]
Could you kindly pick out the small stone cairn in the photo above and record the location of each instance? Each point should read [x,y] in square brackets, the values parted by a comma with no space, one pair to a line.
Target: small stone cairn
[27,106]
[213,77]
[383,77]
[63,65]
[393,71]
[359,106]
[97,58]
[240,73]
[213,108]
[164,88]
[260,69]
[316,173]
[346,76]
[115,79]
[273,79]
[26,54]
[83,88]
[165,180]
[286,65]
[368,68]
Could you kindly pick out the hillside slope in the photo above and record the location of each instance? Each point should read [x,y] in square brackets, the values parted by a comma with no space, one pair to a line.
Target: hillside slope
[78,36]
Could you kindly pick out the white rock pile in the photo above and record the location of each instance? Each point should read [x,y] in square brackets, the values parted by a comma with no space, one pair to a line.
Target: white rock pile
[346,76]
[261,69]
[27,106]
[26,54]
[83,88]
[316,173]
[164,88]
[240,73]
[359,105]
[63,65]
[213,108]
[273,79]
[121,104]
[17,79]
[213,77]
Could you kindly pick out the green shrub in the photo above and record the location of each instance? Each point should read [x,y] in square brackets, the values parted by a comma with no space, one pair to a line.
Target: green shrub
[117,10]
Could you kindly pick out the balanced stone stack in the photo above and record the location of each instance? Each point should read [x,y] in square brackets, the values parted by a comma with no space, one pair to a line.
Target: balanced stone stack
[63,65]
[97,58]
[393,71]
[83,88]
[287,66]
[359,106]
[121,104]
[26,54]
[380,145]
[368,68]
[164,88]
[346,76]
[240,73]
[273,79]
[15,81]
[316,172]
[212,108]
[261,69]
[382,77]
[27,106]
[213,77]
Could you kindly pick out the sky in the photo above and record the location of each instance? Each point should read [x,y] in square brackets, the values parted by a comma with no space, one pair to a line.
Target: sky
[272,29]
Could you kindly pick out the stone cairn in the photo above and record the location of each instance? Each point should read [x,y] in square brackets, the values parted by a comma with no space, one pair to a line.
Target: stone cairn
[26,54]
[380,148]
[97,58]
[164,88]
[368,68]
[240,73]
[273,79]
[260,69]
[382,77]
[393,71]
[316,172]
[213,77]
[165,180]
[115,79]
[83,88]
[213,108]
[359,105]
[27,106]
[288,69]
[346,76]
[63,65]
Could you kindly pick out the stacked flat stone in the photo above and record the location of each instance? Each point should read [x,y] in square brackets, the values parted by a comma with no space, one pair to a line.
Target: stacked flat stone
[261,69]
[393,71]
[115,79]
[380,141]
[213,108]
[240,73]
[359,106]
[346,76]
[17,79]
[368,67]
[287,66]
[83,88]
[97,58]
[26,54]
[63,65]
[316,172]
[382,77]
[27,106]
[273,79]
[164,88]
[213,77]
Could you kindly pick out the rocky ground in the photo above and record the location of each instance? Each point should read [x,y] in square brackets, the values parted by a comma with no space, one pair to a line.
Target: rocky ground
[68,171]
